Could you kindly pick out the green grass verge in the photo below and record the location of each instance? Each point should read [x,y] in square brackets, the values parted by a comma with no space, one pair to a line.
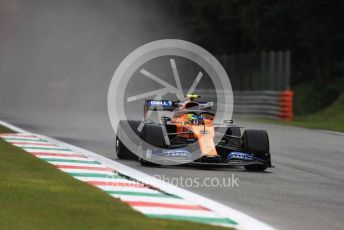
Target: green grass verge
[34,195]
[5,130]
[330,118]
[311,97]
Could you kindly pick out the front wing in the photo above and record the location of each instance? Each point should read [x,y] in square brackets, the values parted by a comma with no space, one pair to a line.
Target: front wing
[182,156]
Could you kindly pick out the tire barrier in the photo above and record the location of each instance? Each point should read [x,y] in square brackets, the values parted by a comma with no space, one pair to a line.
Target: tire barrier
[267,104]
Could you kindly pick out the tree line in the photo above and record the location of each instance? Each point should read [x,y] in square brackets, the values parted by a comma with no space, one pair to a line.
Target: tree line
[312,30]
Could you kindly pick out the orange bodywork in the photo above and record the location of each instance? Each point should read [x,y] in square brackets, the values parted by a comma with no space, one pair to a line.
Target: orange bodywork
[204,133]
[205,136]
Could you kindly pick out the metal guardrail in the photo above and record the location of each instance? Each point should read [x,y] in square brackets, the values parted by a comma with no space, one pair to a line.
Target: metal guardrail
[263,103]
[269,104]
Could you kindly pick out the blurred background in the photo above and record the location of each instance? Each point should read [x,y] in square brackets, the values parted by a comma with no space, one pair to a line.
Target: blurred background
[284,58]
[277,45]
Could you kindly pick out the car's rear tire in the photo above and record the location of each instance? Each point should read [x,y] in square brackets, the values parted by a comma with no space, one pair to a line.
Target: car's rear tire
[256,142]
[122,151]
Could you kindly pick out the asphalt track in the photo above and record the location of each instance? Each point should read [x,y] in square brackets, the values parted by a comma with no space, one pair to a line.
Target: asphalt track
[304,191]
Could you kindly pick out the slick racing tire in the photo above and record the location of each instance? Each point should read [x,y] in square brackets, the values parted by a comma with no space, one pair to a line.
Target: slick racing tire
[122,151]
[257,143]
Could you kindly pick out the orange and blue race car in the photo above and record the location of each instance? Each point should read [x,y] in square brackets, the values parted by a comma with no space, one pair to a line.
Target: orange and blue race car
[191,136]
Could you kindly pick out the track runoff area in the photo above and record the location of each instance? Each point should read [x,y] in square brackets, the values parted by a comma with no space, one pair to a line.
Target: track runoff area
[145,194]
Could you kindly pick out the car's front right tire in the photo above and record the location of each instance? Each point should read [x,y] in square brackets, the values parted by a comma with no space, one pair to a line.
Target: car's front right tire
[256,142]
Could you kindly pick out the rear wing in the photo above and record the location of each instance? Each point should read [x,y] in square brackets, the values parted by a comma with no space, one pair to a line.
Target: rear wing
[169,105]
[158,105]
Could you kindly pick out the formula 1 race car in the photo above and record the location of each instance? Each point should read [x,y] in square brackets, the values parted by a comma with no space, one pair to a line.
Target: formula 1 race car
[191,136]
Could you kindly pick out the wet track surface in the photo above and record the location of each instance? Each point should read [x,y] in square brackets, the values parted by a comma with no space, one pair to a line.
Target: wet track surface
[304,191]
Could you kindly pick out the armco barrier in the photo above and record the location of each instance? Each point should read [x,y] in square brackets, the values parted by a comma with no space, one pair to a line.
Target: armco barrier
[262,103]
[269,104]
